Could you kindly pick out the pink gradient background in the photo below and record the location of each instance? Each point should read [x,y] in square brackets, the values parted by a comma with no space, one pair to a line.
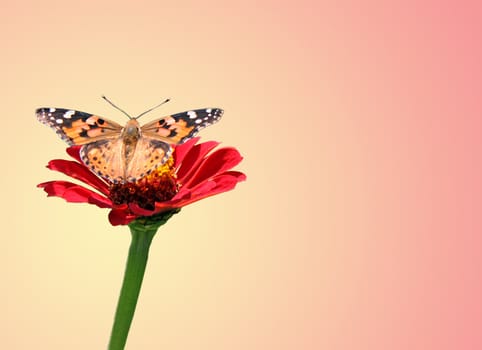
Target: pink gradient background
[359,226]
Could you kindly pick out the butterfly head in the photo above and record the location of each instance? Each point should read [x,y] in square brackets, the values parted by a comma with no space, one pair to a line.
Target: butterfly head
[132,131]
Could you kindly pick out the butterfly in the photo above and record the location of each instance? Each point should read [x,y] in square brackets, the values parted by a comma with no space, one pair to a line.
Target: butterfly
[125,154]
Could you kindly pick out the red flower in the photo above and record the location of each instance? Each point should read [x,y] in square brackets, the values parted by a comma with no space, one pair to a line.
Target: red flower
[190,175]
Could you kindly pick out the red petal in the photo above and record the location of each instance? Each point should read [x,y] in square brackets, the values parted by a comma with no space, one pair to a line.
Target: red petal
[79,172]
[202,188]
[183,195]
[74,152]
[237,174]
[221,183]
[194,157]
[137,210]
[216,163]
[175,202]
[121,216]
[181,150]
[74,193]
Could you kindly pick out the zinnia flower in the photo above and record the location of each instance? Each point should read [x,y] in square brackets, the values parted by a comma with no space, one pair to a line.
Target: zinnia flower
[192,173]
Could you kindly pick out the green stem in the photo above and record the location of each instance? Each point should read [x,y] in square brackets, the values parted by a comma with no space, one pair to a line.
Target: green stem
[134,273]
[142,231]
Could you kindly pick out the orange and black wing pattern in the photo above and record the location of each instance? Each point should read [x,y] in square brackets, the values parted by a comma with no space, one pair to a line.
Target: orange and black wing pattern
[78,128]
[178,128]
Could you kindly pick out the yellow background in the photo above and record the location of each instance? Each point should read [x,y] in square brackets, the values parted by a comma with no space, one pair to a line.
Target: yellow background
[359,224]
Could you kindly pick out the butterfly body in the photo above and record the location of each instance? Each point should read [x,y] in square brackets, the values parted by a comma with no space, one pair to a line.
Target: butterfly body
[125,154]
[130,135]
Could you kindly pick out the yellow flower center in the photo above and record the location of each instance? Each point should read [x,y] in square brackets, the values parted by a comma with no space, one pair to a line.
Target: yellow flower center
[159,186]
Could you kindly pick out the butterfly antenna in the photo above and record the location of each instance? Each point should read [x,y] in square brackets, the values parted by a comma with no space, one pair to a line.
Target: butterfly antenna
[113,105]
[159,105]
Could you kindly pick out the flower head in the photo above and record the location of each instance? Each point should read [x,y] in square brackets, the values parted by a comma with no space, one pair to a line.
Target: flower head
[192,173]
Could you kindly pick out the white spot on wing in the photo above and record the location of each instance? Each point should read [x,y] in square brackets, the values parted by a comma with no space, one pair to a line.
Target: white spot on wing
[191,114]
[69,114]
[59,121]
[198,121]
[51,110]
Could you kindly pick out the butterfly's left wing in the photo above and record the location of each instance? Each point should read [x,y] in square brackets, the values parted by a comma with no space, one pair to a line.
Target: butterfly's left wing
[178,128]
[78,128]
[104,157]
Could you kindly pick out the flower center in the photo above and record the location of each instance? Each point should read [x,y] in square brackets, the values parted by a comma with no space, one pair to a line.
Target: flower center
[159,186]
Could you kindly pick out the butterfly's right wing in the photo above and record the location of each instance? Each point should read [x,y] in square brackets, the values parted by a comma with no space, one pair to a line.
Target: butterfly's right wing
[149,154]
[104,157]
[78,128]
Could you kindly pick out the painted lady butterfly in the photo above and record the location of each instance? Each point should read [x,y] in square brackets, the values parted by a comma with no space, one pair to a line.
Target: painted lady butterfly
[126,154]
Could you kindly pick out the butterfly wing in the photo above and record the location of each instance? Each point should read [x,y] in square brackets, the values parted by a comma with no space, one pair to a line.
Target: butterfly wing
[180,127]
[104,157]
[149,154]
[78,128]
